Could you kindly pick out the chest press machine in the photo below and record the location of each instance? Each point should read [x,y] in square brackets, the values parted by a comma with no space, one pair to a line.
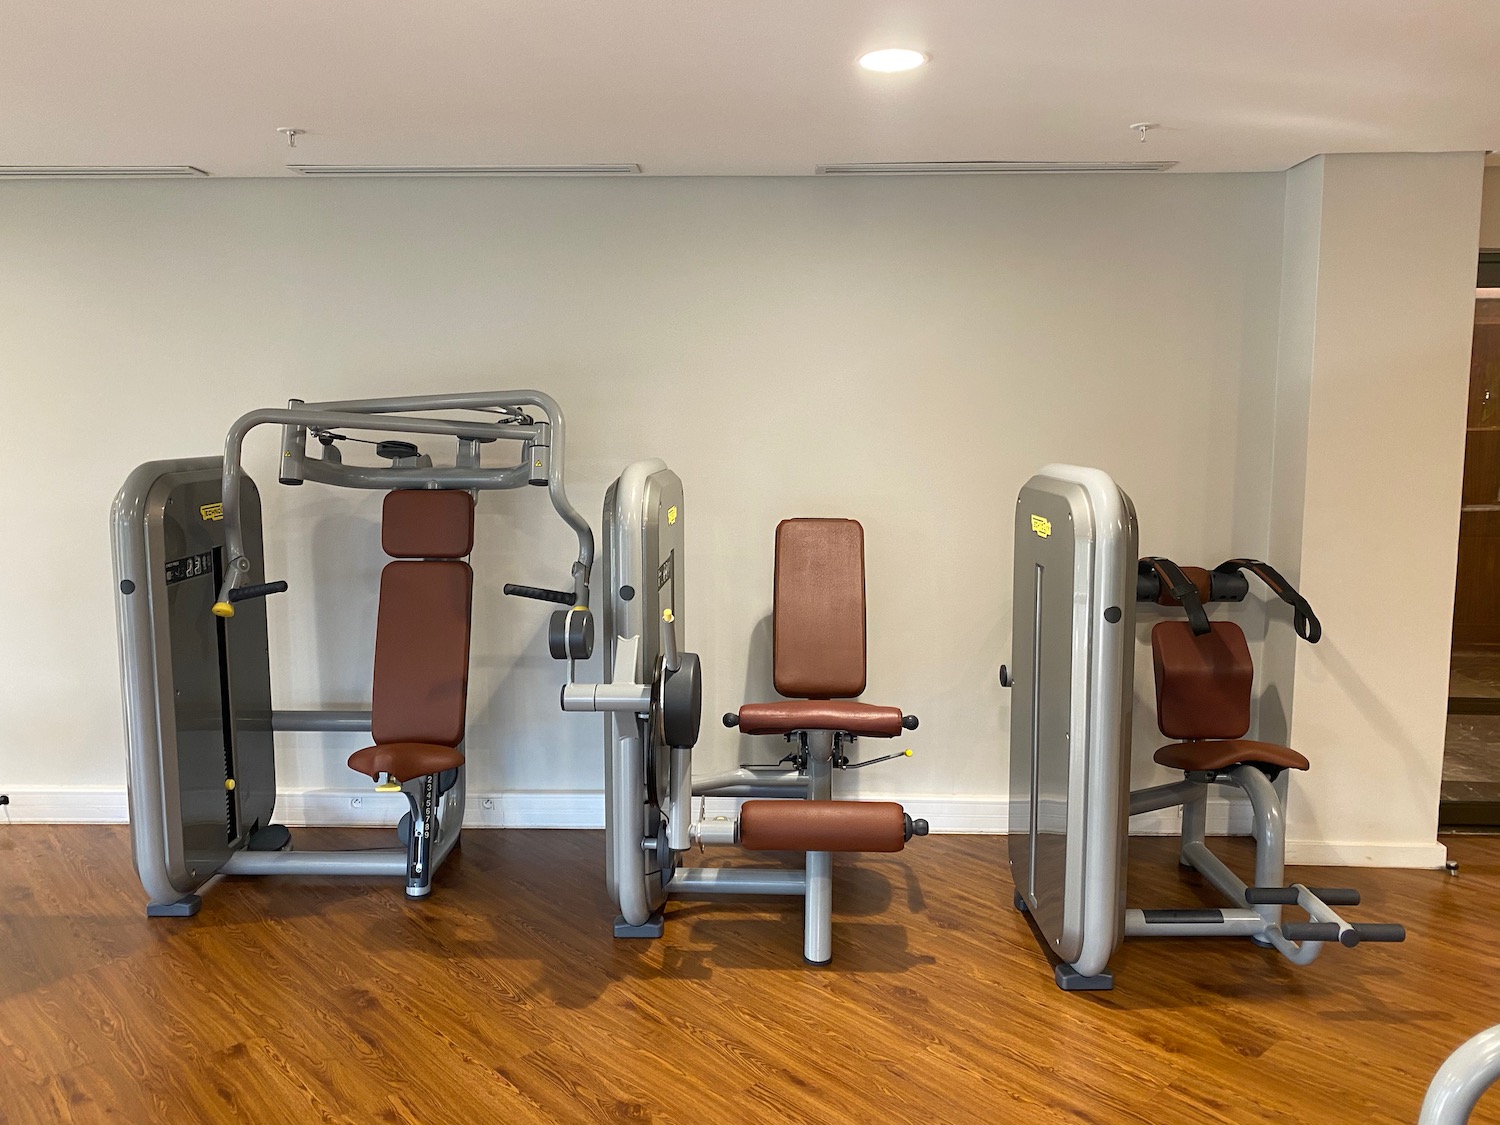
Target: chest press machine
[195,670]
[652,701]
[1077,581]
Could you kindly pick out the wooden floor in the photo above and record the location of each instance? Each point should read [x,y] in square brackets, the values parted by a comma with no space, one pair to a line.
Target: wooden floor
[504,998]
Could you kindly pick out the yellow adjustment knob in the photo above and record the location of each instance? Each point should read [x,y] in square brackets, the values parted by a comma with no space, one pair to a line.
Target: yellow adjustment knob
[907,753]
[389,785]
[223,609]
[229,783]
[666,615]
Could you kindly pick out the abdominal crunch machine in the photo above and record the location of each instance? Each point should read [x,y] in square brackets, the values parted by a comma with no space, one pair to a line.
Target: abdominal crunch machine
[1077,580]
[652,698]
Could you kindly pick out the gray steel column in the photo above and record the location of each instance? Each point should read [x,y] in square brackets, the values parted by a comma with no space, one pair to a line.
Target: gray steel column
[817,941]
[1270,833]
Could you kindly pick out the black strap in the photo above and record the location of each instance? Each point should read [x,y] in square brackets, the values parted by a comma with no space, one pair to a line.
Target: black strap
[1181,587]
[1304,620]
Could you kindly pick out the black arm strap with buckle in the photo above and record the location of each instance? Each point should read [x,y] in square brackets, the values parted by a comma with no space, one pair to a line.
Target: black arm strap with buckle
[1304,620]
[1181,587]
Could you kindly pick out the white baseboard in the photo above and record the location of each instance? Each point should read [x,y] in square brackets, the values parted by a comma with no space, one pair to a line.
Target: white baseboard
[946,814]
[78,804]
[1357,854]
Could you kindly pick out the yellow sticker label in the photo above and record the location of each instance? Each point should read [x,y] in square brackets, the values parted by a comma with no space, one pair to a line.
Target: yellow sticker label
[211,512]
[1041,525]
[672,514]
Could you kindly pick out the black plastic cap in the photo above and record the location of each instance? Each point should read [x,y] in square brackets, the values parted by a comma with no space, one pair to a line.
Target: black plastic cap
[731,720]
[909,722]
[913,827]
[395,450]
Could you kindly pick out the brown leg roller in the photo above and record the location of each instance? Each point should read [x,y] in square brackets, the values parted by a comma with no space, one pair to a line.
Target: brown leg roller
[822,826]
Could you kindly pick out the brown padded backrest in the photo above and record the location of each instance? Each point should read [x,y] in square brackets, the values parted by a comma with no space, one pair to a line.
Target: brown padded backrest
[427,523]
[818,625]
[422,652]
[1202,683]
[1194,574]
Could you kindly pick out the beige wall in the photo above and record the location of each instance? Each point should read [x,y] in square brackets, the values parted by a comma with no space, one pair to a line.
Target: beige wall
[1377,316]
[902,351]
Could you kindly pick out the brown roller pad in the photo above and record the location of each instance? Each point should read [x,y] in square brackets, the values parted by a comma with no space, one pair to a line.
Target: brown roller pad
[1194,574]
[821,714]
[427,523]
[822,826]
[1221,754]
[818,623]
[405,760]
[1202,683]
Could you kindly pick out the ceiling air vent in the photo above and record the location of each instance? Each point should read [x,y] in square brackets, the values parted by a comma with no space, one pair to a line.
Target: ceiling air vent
[991,167]
[465,170]
[96,171]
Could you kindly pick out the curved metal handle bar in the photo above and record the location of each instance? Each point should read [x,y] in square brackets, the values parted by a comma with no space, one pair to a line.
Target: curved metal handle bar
[356,414]
[1462,1080]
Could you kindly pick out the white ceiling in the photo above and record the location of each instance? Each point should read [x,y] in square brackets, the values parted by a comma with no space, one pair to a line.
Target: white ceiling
[708,87]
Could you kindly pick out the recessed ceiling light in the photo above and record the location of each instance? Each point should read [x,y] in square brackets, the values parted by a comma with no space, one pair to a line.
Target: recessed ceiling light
[892,60]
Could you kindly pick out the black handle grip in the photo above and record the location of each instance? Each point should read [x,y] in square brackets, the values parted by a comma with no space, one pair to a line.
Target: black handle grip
[259,590]
[1337,896]
[1373,931]
[1270,896]
[561,597]
[1310,931]
[1287,896]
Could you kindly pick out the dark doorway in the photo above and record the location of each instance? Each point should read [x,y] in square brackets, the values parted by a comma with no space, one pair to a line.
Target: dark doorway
[1471,759]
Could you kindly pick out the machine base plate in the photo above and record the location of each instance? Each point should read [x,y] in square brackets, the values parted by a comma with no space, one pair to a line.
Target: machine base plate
[182,908]
[1070,979]
[652,927]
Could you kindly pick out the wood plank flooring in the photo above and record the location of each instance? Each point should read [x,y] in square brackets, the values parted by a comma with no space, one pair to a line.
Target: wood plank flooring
[503,998]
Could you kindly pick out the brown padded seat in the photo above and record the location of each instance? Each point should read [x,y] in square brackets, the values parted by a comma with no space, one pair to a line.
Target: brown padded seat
[405,760]
[1203,696]
[818,635]
[421,682]
[821,714]
[1222,753]
[822,826]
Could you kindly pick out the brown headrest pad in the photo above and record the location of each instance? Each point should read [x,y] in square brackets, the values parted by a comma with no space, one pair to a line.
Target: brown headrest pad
[427,523]
[818,626]
[822,826]
[1194,574]
[1202,683]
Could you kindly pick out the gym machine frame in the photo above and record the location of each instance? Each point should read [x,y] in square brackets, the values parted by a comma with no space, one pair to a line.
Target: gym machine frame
[1076,585]
[652,701]
[189,821]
